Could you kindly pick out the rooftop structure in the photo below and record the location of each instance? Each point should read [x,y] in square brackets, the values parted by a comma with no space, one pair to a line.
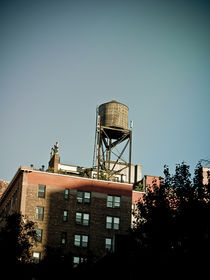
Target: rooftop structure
[113,140]
[121,175]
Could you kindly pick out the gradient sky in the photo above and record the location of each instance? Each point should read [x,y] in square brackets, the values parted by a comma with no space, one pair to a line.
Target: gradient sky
[60,59]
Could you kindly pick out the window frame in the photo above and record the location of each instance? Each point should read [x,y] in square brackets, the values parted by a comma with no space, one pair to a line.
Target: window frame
[78,220]
[38,216]
[79,260]
[81,197]
[111,222]
[112,201]
[36,260]
[38,237]
[79,240]
[66,194]
[109,202]
[82,221]
[65,217]
[108,247]
[84,244]
[41,193]
[114,223]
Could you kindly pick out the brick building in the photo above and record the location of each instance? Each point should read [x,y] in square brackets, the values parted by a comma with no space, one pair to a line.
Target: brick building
[78,215]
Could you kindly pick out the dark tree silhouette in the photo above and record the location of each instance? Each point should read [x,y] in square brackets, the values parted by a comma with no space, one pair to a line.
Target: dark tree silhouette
[57,264]
[172,222]
[16,240]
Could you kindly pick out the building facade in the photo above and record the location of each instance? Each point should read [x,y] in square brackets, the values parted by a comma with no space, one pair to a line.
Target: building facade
[80,216]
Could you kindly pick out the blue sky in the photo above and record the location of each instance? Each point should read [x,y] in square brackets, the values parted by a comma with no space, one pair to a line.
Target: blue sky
[60,59]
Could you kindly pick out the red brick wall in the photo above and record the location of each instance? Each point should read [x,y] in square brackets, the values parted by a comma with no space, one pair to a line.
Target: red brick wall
[54,204]
[137,196]
[23,192]
[71,182]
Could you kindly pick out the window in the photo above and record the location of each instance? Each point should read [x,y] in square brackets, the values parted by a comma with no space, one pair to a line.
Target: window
[77,240]
[112,222]
[78,218]
[38,237]
[39,213]
[79,197]
[83,197]
[113,201]
[78,260]
[63,238]
[41,191]
[84,241]
[82,218]
[66,194]
[81,240]
[108,222]
[85,219]
[116,223]
[108,244]
[86,197]
[36,257]
[65,215]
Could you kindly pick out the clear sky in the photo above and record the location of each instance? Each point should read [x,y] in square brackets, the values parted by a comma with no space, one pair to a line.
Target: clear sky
[60,59]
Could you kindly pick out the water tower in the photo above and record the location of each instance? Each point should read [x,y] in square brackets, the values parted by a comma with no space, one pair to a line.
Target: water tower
[113,139]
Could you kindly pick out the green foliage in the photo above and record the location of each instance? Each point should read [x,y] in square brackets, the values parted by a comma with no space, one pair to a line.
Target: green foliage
[102,176]
[139,187]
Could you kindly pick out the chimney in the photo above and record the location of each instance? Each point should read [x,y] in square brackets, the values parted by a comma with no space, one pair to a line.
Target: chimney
[54,158]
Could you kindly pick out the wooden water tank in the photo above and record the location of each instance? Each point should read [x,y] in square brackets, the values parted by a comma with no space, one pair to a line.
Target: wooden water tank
[114,115]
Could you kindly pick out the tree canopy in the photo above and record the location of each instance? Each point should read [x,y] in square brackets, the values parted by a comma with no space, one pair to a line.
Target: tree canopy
[172,221]
[16,239]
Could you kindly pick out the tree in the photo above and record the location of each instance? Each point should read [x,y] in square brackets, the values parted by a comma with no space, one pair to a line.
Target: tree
[56,264]
[16,240]
[172,221]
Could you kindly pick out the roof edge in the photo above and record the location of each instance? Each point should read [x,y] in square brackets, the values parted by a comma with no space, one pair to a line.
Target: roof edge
[57,174]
